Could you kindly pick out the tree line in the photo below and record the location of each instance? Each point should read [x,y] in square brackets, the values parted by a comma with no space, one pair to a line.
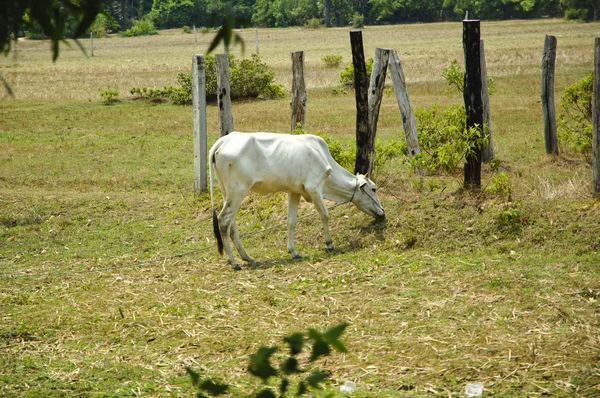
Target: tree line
[284,13]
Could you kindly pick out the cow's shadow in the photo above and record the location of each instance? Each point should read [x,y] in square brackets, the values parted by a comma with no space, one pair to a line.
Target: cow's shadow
[375,228]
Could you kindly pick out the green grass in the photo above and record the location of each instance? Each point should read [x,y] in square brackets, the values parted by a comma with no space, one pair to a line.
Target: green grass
[109,280]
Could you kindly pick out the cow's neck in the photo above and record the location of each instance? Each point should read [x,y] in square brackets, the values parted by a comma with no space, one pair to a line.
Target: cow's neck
[340,185]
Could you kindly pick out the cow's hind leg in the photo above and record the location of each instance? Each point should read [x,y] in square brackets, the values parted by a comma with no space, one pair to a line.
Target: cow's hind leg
[293,200]
[228,226]
[238,244]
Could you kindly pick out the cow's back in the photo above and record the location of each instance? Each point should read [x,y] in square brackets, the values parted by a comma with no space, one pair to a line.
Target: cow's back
[269,162]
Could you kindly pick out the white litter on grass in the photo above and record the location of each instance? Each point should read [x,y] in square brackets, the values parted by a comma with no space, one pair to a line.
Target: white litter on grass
[474,389]
[348,386]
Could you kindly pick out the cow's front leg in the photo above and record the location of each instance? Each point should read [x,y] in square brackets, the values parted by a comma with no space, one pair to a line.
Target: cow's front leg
[317,199]
[293,200]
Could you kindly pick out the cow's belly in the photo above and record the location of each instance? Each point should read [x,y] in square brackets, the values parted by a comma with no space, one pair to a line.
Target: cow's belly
[265,187]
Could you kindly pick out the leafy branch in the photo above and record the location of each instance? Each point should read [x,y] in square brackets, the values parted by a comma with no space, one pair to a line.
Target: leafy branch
[289,369]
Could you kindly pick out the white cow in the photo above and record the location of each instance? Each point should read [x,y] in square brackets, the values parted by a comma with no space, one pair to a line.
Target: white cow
[298,164]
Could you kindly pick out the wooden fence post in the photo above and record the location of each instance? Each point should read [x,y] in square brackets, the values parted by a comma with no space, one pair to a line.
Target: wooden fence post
[362,103]
[596,120]
[199,121]
[488,148]
[380,65]
[92,43]
[224,95]
[472,98]
[549,114]
[409,123]
[298,102]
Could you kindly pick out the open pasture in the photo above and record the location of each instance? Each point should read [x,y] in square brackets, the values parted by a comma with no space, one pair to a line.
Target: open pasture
[110,283]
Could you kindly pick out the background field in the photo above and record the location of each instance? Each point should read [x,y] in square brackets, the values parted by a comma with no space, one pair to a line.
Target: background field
[109,280]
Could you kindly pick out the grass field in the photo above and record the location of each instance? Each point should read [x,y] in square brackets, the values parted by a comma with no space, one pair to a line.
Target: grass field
[109,280]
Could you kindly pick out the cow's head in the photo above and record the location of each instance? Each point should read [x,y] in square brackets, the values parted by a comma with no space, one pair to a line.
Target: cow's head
[365,197]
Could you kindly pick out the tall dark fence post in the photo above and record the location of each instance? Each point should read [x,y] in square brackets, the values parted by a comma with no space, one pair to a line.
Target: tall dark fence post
[362,103]
[549,114]
[472,97]
[596,121]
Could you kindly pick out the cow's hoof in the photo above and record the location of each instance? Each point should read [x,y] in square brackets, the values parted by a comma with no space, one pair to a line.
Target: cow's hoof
[237,268]
[296,256]
[329,248]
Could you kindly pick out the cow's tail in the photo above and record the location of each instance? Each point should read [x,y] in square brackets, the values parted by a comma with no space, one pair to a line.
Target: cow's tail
[216,228]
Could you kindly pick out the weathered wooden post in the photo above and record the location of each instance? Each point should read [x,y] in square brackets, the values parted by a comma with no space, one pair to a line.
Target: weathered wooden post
[488,148]
[596,121]
[549,114]
[298,102]
[199,121]
[375,94]
[472,98]
[224,95]
[195,36]
[92,43]
[256,34]
[362,103]
[409,122]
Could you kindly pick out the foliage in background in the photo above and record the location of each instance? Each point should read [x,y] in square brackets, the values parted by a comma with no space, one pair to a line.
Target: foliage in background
[248,78]
[288,371]
[575,119]
[142,27]
[55,18]
[347,75]
[454,76]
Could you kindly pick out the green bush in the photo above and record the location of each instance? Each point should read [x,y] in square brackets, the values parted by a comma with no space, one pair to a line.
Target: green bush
[500,185]
[332,61]
[347,75]
[575,118]
[314,23]
[444,139]
[248,78]
[142,27]
[187,29]
[109,96]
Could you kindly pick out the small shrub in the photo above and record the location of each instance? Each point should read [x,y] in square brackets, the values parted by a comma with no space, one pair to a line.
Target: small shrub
[314,23]
[347,75]
[444,139]
[511,218]
[142,27]
[575,119]
[187,29]
[500,185]
[273,91]
[109,96]
[332,61]
[580,14]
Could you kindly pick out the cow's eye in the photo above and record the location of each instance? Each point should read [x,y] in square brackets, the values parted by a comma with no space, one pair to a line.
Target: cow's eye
[374,189]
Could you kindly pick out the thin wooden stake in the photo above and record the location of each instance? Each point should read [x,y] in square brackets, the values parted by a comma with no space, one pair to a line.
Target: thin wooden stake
[362,103]
[596,120]
[409,122]
[488,148]
[298,102]
[549,113]
[199,122]
[224,95]
[376,85]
